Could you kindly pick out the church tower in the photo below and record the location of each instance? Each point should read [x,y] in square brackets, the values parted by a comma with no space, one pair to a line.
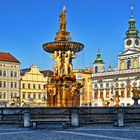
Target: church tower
[132,40]
[130,58]
[98,64]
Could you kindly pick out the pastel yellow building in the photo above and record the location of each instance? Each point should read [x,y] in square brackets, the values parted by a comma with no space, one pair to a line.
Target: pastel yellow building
[83,76]
[32,84]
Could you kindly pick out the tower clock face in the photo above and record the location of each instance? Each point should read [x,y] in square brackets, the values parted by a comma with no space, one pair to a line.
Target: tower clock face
[128,42]
[137,42]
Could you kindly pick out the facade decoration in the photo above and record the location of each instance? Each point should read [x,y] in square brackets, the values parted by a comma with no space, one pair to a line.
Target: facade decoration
[63,89]
[9,80]
[119,92]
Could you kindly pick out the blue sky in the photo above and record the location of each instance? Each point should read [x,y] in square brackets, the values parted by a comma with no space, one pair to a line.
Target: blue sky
[25,25]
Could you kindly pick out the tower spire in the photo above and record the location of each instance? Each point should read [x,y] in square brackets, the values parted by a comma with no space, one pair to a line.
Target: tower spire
[98,58]
[132,31]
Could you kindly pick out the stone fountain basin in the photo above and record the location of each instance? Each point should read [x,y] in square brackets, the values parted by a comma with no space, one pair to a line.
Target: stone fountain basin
[63,46]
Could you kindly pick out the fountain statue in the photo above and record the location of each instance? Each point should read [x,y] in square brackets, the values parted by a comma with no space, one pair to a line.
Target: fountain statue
[63,89]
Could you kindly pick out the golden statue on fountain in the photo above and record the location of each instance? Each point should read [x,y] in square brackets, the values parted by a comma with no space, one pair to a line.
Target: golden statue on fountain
[62,20]
[63,89]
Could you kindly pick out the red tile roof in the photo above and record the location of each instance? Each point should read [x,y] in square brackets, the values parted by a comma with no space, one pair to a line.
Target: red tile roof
[8,57]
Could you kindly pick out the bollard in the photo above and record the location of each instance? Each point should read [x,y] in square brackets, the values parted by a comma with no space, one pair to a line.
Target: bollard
[120,118]
[26,118]
[75,119]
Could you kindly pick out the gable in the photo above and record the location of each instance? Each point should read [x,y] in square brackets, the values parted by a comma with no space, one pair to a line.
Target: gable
[129,52]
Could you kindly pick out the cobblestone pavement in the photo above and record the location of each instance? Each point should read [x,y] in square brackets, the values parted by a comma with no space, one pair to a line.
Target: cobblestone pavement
[91,132]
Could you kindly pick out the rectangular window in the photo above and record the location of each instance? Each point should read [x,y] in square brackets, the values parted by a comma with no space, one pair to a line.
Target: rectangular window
[4,73]
[34,86]
[0,95]
[23,85]
[15,84]
[39,86]
[11,84]
[34,95]
[0,84]
[11,95]
[23,96]
[4,84]
[29,96]
[15,74]
[96,95]
[11,74]
[0,72]
[15,95]
[29,86]
[4,95]
[39,96]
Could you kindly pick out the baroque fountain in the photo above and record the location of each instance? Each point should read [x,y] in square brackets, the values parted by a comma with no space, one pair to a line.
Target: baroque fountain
[63,90]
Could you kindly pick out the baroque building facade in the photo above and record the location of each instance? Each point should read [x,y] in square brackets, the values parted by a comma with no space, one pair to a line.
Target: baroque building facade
[121,80]
[9,80]
[32,87]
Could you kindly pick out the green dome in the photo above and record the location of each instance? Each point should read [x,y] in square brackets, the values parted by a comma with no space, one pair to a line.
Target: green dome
[98,59]
[132,32]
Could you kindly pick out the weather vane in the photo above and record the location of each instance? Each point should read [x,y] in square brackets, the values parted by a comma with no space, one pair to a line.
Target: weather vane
[132,9]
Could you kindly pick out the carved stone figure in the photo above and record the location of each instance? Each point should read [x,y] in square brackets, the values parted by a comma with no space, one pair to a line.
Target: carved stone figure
[75,89]
[68,62]
[58,65]
[63,19]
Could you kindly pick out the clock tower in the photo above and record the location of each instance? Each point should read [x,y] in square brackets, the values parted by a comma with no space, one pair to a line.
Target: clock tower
[130,58]
[132,40]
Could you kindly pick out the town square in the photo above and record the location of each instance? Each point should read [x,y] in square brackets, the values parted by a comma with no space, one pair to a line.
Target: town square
[70,70]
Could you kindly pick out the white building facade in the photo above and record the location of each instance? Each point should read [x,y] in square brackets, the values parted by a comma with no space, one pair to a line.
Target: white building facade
[121,80]
[9,79]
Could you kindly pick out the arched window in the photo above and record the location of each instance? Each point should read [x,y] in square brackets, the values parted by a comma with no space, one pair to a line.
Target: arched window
[96,69]
[135,63]
[128,64]
[122,65]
